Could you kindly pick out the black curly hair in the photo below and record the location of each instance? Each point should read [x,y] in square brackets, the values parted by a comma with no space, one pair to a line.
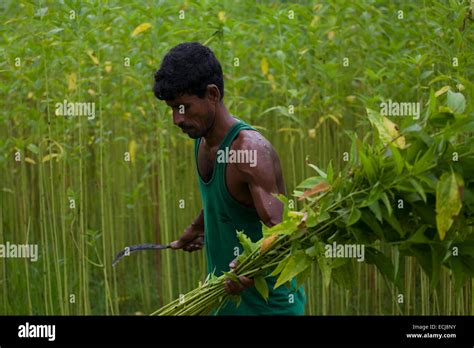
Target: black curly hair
[188,68]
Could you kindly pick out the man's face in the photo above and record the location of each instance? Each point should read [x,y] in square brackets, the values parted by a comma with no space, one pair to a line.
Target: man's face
[195,116]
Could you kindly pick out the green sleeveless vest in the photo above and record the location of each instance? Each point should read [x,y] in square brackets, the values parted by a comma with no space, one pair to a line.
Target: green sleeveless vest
[223,216]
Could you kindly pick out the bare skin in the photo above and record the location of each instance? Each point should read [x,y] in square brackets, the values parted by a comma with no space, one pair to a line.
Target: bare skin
[251,186]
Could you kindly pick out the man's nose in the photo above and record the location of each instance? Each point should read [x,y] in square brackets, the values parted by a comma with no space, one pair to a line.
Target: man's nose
[178,118]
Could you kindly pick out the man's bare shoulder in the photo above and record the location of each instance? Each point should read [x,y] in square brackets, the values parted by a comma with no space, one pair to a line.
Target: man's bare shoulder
[263,155]
[252,140]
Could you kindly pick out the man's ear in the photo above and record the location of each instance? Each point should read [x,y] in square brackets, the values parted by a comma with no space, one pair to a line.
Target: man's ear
[213,93]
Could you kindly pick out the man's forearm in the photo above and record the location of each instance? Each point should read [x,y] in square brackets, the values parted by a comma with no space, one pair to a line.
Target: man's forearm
[199,220]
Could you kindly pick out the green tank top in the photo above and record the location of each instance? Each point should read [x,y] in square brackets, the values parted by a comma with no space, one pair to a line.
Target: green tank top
[223,216]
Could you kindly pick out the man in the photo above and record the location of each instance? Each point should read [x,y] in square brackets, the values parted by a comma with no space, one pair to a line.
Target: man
[236,190]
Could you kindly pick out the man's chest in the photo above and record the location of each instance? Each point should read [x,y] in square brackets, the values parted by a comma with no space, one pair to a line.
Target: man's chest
[234,182]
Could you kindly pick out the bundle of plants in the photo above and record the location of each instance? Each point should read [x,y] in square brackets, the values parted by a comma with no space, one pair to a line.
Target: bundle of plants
[409,187]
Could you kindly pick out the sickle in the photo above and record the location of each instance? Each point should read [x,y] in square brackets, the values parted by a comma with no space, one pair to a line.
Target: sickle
[131,248]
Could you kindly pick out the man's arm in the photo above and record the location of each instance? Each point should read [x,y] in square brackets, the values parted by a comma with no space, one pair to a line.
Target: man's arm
[193,237]
[263,180]
[199,220]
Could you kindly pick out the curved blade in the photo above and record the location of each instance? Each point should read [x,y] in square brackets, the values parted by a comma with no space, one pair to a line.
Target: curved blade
[129,249]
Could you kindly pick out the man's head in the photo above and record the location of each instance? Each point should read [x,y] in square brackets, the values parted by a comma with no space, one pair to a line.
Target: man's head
[190,81]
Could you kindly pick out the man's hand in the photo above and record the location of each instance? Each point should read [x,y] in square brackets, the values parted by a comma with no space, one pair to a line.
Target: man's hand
[235,288]
[191,240]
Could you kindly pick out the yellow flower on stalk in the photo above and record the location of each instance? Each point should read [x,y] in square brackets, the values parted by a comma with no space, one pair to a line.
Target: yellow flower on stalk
[72,81]
[314,21]
[221,16]
[141,28]
[92,56]
[108,66]
[350,98]
[264,66]
[272,81]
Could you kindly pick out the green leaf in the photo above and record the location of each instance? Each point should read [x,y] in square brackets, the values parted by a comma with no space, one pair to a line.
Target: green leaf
[311,221]
[419,236]
[457,272]
[382,262]
[416,185]
[369,167]
[397,158]
[386,129]
[374,195]
[33,148]
[286,227]
[431,103]
[246,242]
[281,265]
[399,264]
[326,270]
[372,223]
[231,276]
[311,251]
[448,201]
[296,264]
[354,217]
[412,128]
[375,208]
[41,12]
[262,287]
[284,200]
[301,277]
[386,201]
[466,248]
[323,216]
[54,31]
[425,161]
[456,102]
[310,182]
[320,172]
[330,173]
[392,220]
